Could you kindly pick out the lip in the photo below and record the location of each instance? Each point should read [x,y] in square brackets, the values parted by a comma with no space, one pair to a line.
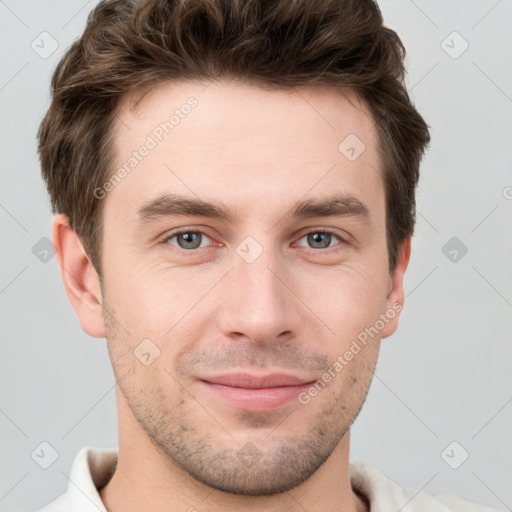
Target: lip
[246,380]
[255,392]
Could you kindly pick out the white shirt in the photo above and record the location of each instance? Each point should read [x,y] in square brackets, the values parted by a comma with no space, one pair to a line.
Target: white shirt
[92,469]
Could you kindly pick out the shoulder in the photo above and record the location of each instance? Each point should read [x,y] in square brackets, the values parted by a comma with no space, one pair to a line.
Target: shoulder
[60,504]
[91,469]
[385,495]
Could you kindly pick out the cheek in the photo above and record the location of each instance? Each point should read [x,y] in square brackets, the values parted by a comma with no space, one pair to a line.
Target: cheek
[160,302]
[347,299]
[157,300]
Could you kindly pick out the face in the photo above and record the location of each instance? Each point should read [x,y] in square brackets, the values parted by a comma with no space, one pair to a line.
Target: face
[226,317]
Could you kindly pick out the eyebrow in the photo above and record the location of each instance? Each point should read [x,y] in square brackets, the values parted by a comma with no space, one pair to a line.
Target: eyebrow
[174,205]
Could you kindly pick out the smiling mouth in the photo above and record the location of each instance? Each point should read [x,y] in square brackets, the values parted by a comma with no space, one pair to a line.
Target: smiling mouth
[256,392]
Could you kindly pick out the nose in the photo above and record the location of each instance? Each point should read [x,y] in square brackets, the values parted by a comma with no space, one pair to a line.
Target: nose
[258,301]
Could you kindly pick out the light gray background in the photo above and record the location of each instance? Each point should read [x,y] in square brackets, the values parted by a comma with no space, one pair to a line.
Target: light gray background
[444,376]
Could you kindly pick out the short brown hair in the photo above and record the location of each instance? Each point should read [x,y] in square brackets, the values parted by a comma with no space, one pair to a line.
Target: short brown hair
[130,46]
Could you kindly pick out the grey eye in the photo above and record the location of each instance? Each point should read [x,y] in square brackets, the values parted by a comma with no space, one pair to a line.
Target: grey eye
[320,239]
[188,240]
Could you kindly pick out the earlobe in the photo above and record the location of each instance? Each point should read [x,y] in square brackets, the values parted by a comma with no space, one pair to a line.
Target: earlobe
[80,279]
[395,297]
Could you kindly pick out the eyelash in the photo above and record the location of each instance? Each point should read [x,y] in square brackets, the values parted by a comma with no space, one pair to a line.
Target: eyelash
[335,247]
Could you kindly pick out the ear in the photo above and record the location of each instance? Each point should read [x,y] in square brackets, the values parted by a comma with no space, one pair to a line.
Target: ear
[395,297]
[81,281]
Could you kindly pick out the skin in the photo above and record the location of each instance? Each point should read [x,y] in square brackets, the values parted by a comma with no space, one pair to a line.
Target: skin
[293,310]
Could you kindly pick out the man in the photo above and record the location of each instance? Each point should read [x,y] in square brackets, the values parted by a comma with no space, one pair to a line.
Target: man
[233,185]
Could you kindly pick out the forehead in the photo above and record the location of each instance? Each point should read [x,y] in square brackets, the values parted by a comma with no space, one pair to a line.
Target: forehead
[233,138]
[232,105]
